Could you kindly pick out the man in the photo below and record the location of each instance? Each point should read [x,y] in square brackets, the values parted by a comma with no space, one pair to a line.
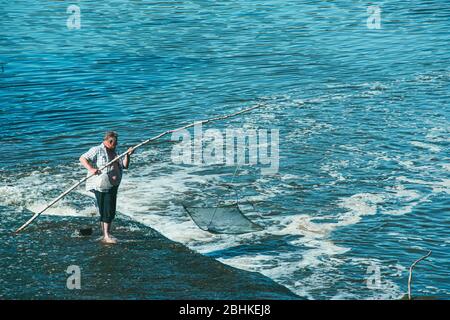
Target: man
[105,184]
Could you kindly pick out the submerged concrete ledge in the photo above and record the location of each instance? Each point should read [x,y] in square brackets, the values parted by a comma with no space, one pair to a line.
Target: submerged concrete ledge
[143,265]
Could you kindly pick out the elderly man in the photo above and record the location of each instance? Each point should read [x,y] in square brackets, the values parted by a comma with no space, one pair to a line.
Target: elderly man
[105,184]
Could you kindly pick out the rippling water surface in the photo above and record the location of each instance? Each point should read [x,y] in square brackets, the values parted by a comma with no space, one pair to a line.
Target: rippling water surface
[363,116]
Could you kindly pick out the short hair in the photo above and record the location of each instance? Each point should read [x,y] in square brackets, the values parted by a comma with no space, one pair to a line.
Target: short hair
[111,134]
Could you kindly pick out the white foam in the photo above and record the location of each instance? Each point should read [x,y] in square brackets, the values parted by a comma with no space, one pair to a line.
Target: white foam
[436,186]
[408,164]
[332,171]
[62,209]
[358,205]
[442,186]
[429,146]
[438,134]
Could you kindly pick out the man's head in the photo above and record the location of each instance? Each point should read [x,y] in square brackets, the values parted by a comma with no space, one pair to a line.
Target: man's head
[110,139]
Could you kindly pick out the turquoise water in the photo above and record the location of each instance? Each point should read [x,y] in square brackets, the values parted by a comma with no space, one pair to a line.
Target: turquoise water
[363,116]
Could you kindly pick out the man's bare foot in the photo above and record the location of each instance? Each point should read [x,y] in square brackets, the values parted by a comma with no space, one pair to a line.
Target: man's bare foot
[109,240]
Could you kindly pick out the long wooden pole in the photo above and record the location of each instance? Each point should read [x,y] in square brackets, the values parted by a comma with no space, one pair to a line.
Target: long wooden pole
[36,215]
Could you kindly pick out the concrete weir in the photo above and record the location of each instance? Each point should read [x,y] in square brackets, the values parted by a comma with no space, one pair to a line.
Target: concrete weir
[51,260]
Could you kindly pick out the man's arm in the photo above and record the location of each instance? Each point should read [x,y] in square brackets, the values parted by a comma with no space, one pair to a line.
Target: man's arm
[126,160]
[88,166]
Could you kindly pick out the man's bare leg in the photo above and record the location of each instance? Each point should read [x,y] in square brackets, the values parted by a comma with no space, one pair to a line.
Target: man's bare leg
[109,231]
[106,236]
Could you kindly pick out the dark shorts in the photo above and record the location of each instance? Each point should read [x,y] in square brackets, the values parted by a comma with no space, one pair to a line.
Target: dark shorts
[106,204]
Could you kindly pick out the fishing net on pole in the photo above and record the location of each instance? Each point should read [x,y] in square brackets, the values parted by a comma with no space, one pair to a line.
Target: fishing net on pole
[225,219]
[228,219]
